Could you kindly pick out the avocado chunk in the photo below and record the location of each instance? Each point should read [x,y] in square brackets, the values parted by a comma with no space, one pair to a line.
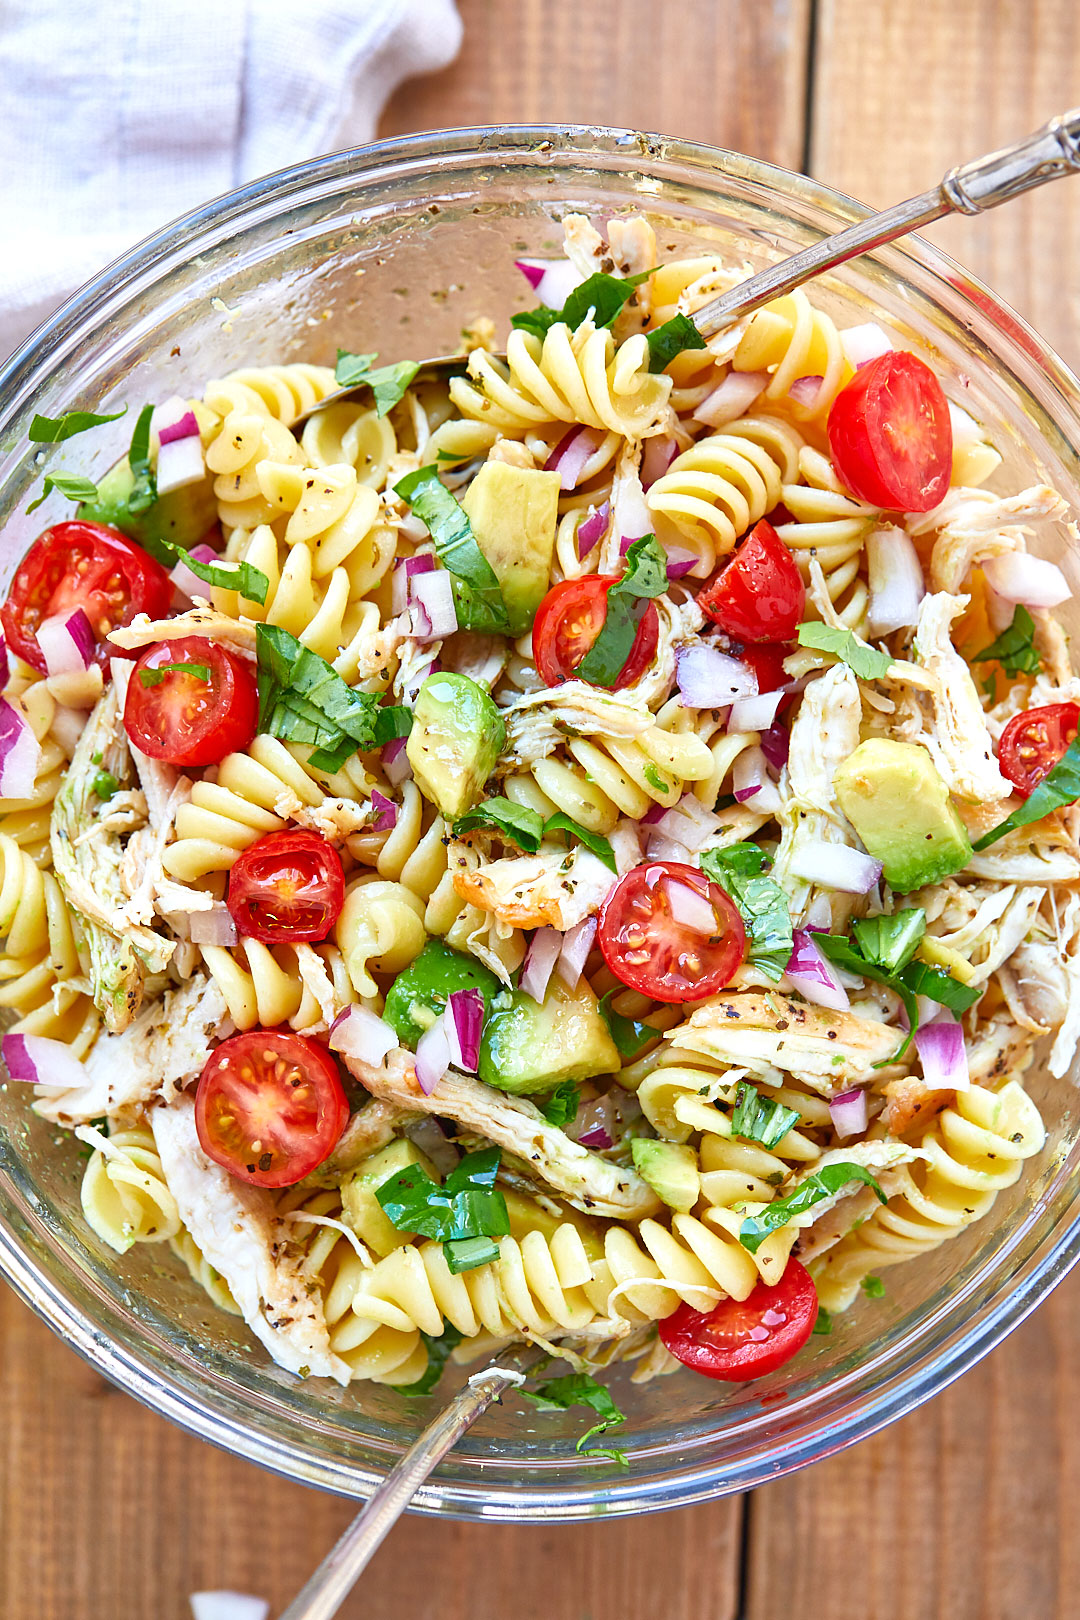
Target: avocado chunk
[418,995]
[457,736]
[513,512]
[527,1046]
[670,1170]
[182,517]
[360,1208]
[893,796]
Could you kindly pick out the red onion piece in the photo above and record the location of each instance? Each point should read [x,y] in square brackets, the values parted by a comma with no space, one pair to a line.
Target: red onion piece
[433,1056]
[576,945]
[750,779]
[180,463]
[775,745]
[464,1028]
[20,754]
[404,570]
[709,679]
[602,1121]
[532,270]
[39,1061]
[5,662]
[1032,581]
[395,762]
[654,814]
[186,428]
[228,1606]
[557,279]
[361,1034]
[731,398]
[187,583]
[805,391]
[861,344]
[662,848]
[835,866]
[755,713]
[593,529]
[689,822]
[571,455]
[540,959]
[896,581]
[943,1055]
[213,927]
[385,810]
[680,561]
[433,594]
[660,451]
[849,1113]
[689,907]
[67,642]
[173,419]
[595,1137]
[630,515]
[812,975]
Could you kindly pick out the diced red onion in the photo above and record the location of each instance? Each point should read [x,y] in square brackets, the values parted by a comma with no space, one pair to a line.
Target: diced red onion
[662,848]
[943,1055]
[385,810]
[596,1136]
[404,570]
[188,583]
[5,663]
[732,398]
[689,822]
[434,595]
[689,908]
[362,1034]
[864,343]
[557,279]
[173,419]
[180,463]
[39,1061]
[775,744]
[464,1027]
[1032,581]
[755,713]
[819,915]
[805,390]
[835,866]
[601,1121]
[430,1138]
[680,561]
[571,454]
[186,428]
[849,1113]
[433,1055]
[532,270]
[812,975]
[67,642]
[576,945]
[213,927]
[395,762]
[540,959]
[750,779]
[896,581]
[593,529]
[660,451]
[228,1606]
[20,754]
[709,679]
[654,814]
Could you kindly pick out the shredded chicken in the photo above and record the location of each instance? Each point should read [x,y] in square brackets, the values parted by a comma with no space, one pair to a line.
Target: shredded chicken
[824,733]
[538,722]
[829,1051]
[555,886]
[974,525]
[369,1129]
[200,620]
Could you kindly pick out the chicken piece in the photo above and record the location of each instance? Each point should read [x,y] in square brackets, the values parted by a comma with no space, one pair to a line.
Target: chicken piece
[89,859]
[974,525]
[143,875]
[467,652]
[538,722]
[585,247]
[167,1045]
[1067,927]
[879,1156]
[829,1051]
[316,980]
[584,1179]
[959,741]
[369,1129]
[910,1102]
[201,620]
[1001,1051]
[237,1231]
[633,245]
[824,733]
[680,622]
[1043,852]
[333,819]
[528,891]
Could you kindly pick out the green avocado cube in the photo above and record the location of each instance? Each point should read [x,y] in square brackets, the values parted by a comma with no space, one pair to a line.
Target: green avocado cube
[514,512]
[895,799]
[457,736]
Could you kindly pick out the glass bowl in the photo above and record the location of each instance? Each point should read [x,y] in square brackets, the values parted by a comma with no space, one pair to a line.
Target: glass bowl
[396,247]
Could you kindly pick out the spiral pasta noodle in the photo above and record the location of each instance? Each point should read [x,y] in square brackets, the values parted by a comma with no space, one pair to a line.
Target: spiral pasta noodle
[795,342]
[124,1194]
[283,985]
[282,392]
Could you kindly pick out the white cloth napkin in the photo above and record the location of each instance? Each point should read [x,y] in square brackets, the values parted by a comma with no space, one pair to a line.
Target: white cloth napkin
[117,116]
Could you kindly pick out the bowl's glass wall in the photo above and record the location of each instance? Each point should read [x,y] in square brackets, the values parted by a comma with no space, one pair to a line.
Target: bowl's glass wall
[395,249]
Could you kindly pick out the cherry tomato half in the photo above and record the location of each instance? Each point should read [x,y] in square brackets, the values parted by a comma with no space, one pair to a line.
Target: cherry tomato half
[656,938]
[184,715]
[570,618]
[270,1106]
[759,595]
[746,1338]
[1034,741]
[82,565]
[890,434]
[288,886]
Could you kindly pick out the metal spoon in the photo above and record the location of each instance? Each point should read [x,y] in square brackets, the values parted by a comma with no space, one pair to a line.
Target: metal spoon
[972,188]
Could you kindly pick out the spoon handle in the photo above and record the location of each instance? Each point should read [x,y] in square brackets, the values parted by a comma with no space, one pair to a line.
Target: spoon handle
[971,188]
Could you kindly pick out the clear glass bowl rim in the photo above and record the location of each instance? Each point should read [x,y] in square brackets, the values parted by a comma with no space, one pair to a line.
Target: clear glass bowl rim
[48,1294]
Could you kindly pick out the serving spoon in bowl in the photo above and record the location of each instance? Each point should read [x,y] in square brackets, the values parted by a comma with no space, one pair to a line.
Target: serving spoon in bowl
[970,188]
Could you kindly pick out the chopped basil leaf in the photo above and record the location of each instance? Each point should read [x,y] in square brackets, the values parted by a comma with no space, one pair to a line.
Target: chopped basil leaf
[823,1324]
[602,296]
[387,383]
[466,1208]
[846,955]
[154,677]
[671,339]
[627,603]
[465,1254]
[940,986]
[629,1035]
[1060,786]
[581,1389]
[562,1105]
[390,722]
[890,942]
[105,784]
[812,1190]
[144,489]
[867,662]
[439,1350]
[874,1287]
[762,904]
[654,778]
[55,429]
[914,979]
[243,577]
[761,1119]
[75,488]
[515,821]
[477,595]
[302,699]
[594,841]
[1015,648]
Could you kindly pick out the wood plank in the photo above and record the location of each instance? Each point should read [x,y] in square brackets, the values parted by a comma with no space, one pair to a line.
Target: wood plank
[636,64]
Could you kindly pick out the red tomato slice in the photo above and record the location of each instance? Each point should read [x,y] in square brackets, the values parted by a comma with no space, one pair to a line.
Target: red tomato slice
[184,717]
[890,434]
[82,565]
[570,618]
[270,1106]
[288,886]
[759,595]
[651,939]
[747,1338]
[1034,741]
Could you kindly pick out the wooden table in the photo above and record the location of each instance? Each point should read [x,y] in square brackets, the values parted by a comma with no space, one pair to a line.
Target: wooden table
[964,1511]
